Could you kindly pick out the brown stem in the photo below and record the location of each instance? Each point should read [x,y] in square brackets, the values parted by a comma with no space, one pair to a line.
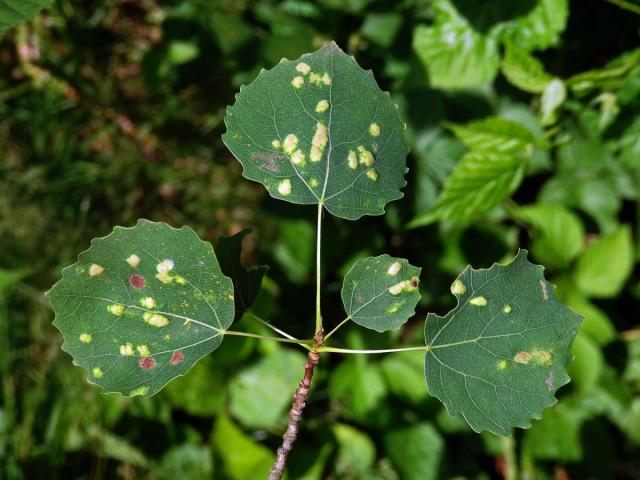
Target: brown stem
[295,414]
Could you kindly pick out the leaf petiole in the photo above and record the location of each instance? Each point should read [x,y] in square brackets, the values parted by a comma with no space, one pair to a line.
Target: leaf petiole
[268,325]
[423,348]
[303,343]
[336,328]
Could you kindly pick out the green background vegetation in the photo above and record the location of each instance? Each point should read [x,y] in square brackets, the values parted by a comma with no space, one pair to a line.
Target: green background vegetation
[112,110]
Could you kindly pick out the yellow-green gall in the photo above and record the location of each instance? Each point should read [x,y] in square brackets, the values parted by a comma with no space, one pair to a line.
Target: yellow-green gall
[458,288]
[86,337]
[479,301]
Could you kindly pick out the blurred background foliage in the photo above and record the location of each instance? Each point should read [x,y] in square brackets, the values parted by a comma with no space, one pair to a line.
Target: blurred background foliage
[523,123]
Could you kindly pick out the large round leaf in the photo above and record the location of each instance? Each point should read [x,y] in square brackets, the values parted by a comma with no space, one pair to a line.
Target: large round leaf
[500,355]
[381,293]
[320,130]
[141,306]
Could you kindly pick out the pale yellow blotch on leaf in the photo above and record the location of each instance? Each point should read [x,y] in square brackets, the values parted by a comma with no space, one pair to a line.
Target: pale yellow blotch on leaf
[133,260]
[180,280]
[95,270]
[143,350]
[394,268]
[315,79]
[322,106]
[326,79]
[85,337]
[97,372]
[126,350]
[303,68]
[148,302]
[276,143]
[139,391]
[478,301]
[298,157]
[458,288]
[319,141]
[365,156]
[374,129]
[352,159]
[290,143]
[313,183]
[297,82]
[167,337]
[394,308]
[502,365]
[157,320]
[506,308]
[116,309]
[284,187]
[165,266]
[372,174]
[164,277]
[404,286]
[542,357]
[521,357]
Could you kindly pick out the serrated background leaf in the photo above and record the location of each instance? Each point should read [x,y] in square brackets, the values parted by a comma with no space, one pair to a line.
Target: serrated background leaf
[322,100]
[14,12]
[381,293]
[500,355]
[133,327]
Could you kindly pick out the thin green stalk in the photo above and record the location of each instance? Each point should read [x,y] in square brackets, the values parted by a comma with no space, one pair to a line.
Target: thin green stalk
[423,348]
[303,343]
[268,325]
[337,327]
[318,250]
[632,7]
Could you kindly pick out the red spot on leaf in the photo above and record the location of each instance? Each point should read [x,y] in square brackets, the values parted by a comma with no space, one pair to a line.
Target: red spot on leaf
[137,281]
[147,363]
[176,358]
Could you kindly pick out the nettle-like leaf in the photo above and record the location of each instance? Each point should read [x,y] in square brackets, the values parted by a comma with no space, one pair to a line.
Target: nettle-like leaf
[14,12]
[320,130]
[246,280]
[500,355]
[381,293]
[142,306]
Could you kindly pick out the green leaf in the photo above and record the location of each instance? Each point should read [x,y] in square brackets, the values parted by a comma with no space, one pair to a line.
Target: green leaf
[479,182]
[540,28]
[495,135]
[186,461]
[320,130]
[500,355]
[558,233]
[381,28]
[142,306]
[552,98]
[455,55]
[356,451]
[381,293]
[9,278]
[404,372]
[606,264]
[587,364]
[14,12]
[415,451]
[242,457]
[524,70]
[261,393]
[246,281]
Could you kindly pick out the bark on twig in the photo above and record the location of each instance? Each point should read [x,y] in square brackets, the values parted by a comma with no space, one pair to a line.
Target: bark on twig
[295,414]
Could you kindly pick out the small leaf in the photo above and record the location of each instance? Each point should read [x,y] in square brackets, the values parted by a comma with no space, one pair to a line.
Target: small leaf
[456,55]
[495,135]
[478,183]
[558,233]
[552,98]
[524,70]
[246,281]
[500,355]
[540,28]
[600,272]
[356,451]
[320,130]
[416,451]
[381,293]
[142,306]
[14,12]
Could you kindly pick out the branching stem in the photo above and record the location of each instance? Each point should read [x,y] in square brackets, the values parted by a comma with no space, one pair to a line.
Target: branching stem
[318,276]
[303,343]
[268,325]
[295,414]
[423,348]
